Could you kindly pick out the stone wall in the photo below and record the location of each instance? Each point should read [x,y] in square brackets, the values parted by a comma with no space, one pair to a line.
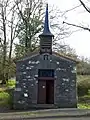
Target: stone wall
[25,94]
[65,95]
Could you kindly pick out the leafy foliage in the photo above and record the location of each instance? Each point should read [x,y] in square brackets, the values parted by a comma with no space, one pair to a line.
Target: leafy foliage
[4,98]
[30,25]
[84,106]
[83,87]
[11,83]
[83,68]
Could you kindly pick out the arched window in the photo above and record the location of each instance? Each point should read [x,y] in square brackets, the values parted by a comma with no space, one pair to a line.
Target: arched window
[45,57]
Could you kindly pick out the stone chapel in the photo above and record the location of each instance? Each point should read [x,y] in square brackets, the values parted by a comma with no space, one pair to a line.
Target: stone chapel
[45,79]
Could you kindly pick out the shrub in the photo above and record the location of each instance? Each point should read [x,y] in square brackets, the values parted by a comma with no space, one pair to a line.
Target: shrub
[83,87]
[6,93]
[11,83]
[10,100]
[84,106]
[84,99]
[4,98]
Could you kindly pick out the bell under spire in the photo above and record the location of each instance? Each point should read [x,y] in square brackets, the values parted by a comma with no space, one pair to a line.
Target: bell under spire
[46,31]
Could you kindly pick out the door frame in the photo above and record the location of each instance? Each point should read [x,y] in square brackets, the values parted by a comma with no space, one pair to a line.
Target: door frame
[45,79]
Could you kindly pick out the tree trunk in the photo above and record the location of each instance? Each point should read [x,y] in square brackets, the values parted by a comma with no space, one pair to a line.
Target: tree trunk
[26,38]
[4,47]
[10,52]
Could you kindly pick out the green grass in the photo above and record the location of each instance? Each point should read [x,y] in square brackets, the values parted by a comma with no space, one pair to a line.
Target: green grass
[84,106]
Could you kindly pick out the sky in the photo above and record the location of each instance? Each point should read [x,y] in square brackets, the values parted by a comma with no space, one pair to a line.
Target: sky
[80,40]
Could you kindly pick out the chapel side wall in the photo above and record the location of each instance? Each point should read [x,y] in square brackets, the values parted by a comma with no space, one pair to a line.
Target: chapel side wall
[26,83]
[65,86]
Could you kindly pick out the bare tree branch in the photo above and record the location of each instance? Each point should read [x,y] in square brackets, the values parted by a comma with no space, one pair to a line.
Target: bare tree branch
[83,4]
[71,9]
[20,12]
[85,28]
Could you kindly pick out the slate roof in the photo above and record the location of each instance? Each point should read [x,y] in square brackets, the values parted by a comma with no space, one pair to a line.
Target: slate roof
[29,55]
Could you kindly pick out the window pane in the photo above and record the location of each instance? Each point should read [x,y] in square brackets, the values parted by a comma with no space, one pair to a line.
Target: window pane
[46,73]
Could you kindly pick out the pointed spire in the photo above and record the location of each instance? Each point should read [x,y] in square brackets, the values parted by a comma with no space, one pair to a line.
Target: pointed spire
[46,24]
[46,30]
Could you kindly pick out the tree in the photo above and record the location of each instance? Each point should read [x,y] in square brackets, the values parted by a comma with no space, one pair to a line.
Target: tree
[9,32]
[3,15]
[66,50]
[13,24]
[30,14]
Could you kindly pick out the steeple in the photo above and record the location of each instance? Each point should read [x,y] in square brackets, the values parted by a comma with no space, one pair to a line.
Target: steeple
[46,36]
[46,30]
